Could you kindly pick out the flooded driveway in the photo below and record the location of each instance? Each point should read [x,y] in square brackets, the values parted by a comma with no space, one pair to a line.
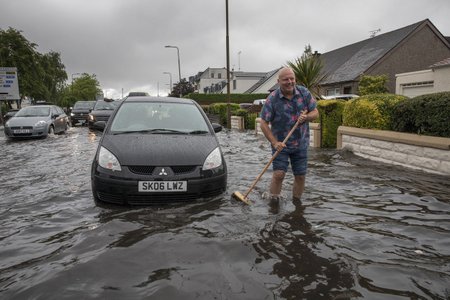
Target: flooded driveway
[365,230]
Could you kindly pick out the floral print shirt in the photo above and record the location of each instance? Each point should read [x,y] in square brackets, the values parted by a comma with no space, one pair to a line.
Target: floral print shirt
[282,114]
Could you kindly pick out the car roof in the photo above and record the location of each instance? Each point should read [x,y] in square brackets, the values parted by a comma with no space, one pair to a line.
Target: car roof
[158,99]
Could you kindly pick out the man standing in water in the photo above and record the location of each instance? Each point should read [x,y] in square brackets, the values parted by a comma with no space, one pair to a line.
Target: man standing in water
[281,110]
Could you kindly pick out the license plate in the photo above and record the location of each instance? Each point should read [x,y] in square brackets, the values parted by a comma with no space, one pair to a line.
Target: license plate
[21,131]
[162,186]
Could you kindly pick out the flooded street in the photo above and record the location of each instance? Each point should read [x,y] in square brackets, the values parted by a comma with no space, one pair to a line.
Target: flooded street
[365,230]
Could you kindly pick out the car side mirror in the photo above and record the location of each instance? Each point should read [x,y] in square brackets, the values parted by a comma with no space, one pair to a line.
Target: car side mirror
[216,127]
[54,116]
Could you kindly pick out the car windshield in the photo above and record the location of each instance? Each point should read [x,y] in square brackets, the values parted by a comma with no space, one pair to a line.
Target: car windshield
[33,111]
[104,105]
[79,105]
[160,118]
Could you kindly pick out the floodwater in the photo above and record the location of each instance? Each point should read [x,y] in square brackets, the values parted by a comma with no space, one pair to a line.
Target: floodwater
[365,230]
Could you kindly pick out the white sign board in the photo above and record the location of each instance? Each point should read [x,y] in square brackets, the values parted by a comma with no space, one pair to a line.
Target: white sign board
[9,84]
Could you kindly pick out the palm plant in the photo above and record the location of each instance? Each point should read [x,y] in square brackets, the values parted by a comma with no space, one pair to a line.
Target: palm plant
[308,71]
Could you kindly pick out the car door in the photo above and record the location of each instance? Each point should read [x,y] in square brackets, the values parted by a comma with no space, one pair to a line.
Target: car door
[57,121]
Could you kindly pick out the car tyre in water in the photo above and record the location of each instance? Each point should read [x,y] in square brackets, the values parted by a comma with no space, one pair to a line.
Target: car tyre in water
[51,130]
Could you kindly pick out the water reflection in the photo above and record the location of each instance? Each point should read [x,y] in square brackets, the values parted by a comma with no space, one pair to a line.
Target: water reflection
[301,259]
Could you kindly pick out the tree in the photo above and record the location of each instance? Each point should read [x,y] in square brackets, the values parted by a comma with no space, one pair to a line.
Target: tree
[182,88]
[308,70]
[41,76]
[372,84]
[85,87]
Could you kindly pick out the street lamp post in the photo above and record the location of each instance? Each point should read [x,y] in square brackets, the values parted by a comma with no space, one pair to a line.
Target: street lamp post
[179,68]
[170,78]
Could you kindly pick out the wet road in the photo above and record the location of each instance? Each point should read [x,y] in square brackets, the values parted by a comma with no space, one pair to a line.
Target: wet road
[364,231]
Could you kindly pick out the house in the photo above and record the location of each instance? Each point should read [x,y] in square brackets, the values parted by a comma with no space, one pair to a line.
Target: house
[433,80]
[242,81]
[266,84]
[411,48]
[214,81]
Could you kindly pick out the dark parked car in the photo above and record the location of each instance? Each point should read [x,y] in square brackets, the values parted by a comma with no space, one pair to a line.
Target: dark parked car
[101,112]
[156,151]
[9,114]
[80,112]
[37,121]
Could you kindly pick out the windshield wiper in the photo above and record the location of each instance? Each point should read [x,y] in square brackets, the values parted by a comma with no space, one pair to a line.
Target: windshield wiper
[198,132]
[157,130]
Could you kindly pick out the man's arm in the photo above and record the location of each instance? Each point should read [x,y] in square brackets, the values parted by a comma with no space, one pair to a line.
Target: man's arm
[312,115]
[269,136]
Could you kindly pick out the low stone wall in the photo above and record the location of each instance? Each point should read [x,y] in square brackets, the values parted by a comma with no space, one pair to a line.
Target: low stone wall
[426,153]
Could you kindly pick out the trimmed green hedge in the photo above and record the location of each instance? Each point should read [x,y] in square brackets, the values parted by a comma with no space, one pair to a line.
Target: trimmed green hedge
[371,111]
[426,114]
[207,99]
[330,116]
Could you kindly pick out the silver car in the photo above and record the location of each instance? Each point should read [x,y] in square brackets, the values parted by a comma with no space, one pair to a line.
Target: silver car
[37,121]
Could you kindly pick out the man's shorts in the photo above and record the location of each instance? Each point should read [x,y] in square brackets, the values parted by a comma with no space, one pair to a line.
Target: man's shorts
[297,156]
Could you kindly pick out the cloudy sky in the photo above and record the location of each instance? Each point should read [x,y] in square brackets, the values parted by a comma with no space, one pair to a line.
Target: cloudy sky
[122,41]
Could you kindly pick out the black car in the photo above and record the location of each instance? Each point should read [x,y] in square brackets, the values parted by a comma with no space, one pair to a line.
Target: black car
[156,151]
[80,112]
[102,110]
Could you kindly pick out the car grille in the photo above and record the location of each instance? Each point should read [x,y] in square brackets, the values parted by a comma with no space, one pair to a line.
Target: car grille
[148,170]
[22,127]
[155,199]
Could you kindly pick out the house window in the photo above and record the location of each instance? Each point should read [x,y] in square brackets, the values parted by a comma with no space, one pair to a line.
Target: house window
[417,84]
[219,75]
[332,92]
[347,89]
[234,84]
[212,75]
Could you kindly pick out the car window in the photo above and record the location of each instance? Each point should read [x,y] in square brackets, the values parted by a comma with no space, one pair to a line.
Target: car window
[104,105]
[134,116]
[33,111]
[83,104]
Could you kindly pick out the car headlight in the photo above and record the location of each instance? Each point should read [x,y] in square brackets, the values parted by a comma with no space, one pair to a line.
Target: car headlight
[108,161]
[91,118]
[214,160]
[72,114]
[40,124]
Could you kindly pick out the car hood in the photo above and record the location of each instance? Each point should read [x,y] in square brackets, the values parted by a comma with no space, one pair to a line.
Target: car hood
[160,149]
[25,121]
[81,110]
[102,112]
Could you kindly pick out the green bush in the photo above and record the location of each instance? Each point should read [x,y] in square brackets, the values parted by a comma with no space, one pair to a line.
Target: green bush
[330,112]
[249,117]
[207,99]
[221,110]
[371,111]
[426,114]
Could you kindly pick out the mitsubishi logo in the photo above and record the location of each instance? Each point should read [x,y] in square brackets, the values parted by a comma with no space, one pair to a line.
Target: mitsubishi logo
[163,172]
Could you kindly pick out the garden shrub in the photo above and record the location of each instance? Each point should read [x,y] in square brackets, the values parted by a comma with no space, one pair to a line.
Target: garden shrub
[371,111]
[330,112]
[426,114]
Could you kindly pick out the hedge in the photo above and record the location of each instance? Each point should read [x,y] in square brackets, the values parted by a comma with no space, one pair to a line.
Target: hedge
[371,111]
[207,99]
[426,114]
[330,116]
